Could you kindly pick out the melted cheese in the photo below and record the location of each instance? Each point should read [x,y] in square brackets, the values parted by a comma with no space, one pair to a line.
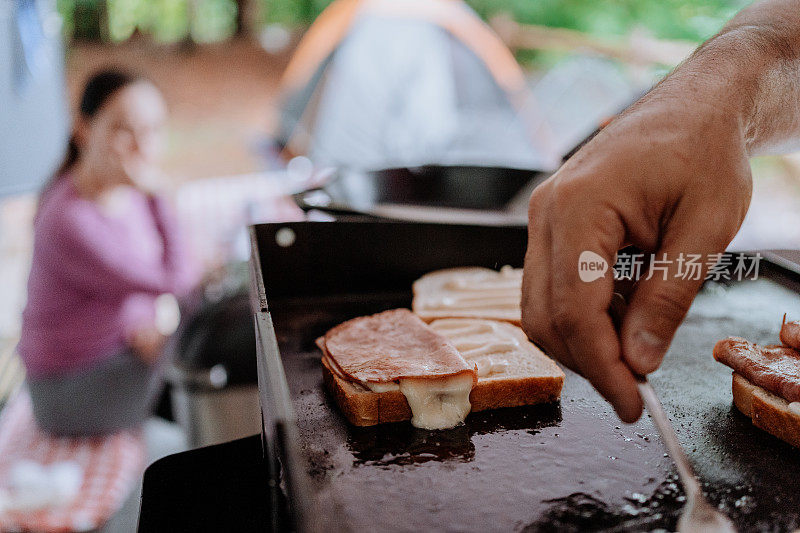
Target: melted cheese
[479,291]
[489,365]
[375,386]
[794,408]
[396,351]
[439,403]
[486,344]
[435,403]
[507,279]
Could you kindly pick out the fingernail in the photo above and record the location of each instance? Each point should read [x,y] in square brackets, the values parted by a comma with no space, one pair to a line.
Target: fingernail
[647,351]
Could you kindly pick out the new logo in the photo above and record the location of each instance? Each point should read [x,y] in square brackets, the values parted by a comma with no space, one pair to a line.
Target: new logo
[591,266]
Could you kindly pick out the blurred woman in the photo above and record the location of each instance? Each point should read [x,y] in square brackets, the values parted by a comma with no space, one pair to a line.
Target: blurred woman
[106,246]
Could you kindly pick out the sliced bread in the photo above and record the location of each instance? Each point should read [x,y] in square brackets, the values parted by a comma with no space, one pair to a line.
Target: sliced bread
[469,292]
[769,412]
[512,372]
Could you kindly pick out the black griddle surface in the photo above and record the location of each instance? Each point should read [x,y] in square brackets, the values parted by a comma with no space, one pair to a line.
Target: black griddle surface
[571,466]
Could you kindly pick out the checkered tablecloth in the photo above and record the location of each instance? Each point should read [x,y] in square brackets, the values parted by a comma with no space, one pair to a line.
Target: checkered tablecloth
[112,465]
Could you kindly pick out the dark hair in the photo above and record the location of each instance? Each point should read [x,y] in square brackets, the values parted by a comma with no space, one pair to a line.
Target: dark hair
[101,86]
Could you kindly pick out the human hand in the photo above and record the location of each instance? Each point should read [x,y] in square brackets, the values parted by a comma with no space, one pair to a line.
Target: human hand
[147,344]
[670,176]
[146,178]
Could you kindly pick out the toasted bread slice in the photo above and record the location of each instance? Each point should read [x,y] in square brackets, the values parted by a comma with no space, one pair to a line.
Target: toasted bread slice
[362,407]
[511,372]
[469,292]
[767,411]
[396,350]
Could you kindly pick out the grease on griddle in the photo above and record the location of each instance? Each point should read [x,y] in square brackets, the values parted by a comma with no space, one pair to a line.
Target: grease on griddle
[584,512]
[402,444]
[660,511]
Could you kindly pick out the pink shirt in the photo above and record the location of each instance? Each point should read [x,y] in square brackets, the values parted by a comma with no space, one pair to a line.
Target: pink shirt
[95,277]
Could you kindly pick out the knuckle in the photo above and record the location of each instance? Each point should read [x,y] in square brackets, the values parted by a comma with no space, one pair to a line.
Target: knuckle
[671,302]
[538,202]
[565,193]
[536,199]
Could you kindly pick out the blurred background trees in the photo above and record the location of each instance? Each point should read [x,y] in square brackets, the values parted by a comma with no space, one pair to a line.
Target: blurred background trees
[216,20]
[219,64]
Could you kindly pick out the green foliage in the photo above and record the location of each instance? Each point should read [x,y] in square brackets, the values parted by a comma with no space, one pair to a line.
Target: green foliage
[214,21]
[169,20]
[87,19]
[293,12]
[162,20]
[694,20]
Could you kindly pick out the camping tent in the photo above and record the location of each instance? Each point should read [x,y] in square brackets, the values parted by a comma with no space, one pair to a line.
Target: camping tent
[405,83]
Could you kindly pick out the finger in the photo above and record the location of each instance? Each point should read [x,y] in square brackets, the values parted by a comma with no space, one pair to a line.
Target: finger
[581,307]
[596,349]
[537,280]
[662,298]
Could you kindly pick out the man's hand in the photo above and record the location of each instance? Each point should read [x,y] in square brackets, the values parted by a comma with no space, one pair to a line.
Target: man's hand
[639,182]
[670,176]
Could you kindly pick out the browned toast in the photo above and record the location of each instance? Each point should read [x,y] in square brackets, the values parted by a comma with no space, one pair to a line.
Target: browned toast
[767,411]
[512,372]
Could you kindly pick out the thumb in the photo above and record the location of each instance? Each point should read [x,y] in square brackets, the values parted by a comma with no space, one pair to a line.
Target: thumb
[659,304]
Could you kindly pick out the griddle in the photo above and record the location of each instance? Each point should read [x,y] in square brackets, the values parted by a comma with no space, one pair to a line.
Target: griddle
[569,466]
[426,191]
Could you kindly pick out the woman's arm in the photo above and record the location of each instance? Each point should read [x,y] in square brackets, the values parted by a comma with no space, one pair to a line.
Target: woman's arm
[671,176]
[93,258]
[177,256]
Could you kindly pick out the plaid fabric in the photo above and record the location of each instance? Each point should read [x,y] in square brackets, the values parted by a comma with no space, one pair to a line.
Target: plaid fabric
[12,373]
[111,464]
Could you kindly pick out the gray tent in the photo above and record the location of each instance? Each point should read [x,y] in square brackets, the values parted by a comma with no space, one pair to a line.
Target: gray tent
[406,83]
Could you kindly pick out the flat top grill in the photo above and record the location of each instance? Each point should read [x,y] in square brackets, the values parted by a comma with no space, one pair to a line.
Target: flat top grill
[571,466]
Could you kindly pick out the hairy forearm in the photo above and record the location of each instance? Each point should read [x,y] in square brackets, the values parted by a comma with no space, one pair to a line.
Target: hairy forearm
[780,17]
[772,119]
[750,70]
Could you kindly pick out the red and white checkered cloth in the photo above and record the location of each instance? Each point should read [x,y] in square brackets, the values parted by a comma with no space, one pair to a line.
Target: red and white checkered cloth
[111,464]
